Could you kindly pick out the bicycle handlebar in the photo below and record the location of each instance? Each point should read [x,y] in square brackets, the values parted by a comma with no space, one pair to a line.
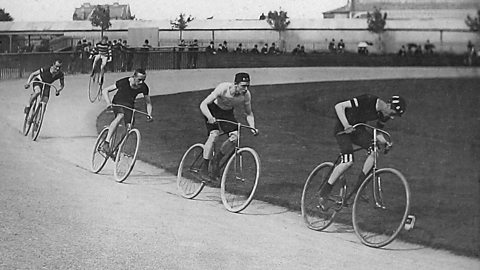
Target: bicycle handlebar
[238,124]
[44,83]
[132,109]
[374,128]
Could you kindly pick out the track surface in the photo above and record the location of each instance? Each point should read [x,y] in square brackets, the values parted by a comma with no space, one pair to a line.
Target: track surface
[56,214]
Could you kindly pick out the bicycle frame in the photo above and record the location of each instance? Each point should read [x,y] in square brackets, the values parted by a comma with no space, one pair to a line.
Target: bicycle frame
[42,91]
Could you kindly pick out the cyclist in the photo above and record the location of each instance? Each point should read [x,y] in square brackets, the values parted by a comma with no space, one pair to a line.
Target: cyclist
[360,109]
[128,89]
[47,75]
[220,103]
[103,52]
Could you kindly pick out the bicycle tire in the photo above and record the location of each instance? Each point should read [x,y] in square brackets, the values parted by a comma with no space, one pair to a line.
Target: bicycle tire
[189,181]
[127,155]
[381,207]
[37,121]
[314,216]
[28,124]
[93,88]
[99,159]
[240,179]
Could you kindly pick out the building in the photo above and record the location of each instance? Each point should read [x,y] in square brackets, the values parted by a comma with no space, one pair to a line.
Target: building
[408,9]
[117,12]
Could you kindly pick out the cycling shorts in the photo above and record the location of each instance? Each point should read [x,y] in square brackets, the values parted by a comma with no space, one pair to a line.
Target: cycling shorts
[361,137]
[219,113]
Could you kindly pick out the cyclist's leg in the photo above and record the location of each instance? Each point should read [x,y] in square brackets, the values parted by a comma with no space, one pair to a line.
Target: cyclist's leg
[95,60]
[102,69]
[119,116]
[37,89]
[363,139]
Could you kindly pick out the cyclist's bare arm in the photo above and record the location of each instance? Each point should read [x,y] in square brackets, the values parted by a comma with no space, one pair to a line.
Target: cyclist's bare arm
[106,91]
[30,78]
[148,103]
[249,112]
[62,85]
[340,111]
[204,105]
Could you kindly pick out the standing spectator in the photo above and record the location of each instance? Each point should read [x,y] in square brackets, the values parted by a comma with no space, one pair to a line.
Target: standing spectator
[428,47]
[220,48]
[144,52]
[76,57]
[255,49]
[127,63]
[331,46]
[341,46]
[225,47]
[296,50]
[471,53]
[211,48]
[264,49]
[117,53]
[262,17]
[193,54]
[182,45]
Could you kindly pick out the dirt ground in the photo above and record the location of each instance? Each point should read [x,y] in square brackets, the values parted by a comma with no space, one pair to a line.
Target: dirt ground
[56,214]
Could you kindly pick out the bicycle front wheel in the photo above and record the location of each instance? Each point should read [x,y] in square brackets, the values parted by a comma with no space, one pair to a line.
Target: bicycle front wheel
[27,122]
[37,121]
[94,90]
[189,181]
[318,217]
[240,179]
[99,157]
[381,207]
[127,155]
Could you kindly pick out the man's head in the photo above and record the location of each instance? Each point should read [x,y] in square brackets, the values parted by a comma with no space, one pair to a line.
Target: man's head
[242,80]
[104,39]
[139,77]
[397,107]
[57,65]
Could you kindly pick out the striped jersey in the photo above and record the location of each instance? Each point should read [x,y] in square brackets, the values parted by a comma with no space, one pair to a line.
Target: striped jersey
[104,49]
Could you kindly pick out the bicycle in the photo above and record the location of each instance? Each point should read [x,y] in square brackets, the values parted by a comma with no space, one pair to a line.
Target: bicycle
[380,206]
[94,88]
[124,148]
[241,171]
[36,113]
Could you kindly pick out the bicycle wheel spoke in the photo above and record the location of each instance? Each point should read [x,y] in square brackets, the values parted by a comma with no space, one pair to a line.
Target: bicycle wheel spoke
[37,121]
[99,157]
[127,155]
[317,216]
[381,207]
[189,181]
[240,179]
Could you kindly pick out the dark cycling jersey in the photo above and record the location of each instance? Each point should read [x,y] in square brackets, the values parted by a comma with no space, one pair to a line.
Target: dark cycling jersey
[126,94]
[364,109]
[48,77]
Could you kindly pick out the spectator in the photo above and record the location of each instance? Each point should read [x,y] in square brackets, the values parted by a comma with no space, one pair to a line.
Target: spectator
[331,46]
[193,54]
[262,16]
[127,57]
[220,48]
[239,48]
[302,50]
[296,50]
[144,54]
[255,49]
[272,49]
[182,45]
[117,54]
[428,47]
[418,50]
[264,49]
[76,57]
[471,53]
[362,47]
[225,47]
[211,48]
[402,51]
[341,46]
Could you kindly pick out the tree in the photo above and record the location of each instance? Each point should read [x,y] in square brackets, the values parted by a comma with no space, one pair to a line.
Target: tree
[279,21]
[5,16]
[101,18]
[473,22]
[181,22]
[376,24]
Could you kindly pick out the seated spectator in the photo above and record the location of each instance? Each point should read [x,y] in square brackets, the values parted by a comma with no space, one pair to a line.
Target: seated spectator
[272,49]
[239,48]
[331,46]
[264,49]
[302,50]
[225,47]
[418,50]
[255,49]
[362,47]
[402,51]
[296,50]
[182,45]
[211,48]
[220,48]
[341,46]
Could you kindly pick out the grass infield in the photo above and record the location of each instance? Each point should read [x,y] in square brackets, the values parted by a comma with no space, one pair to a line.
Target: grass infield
[436,146]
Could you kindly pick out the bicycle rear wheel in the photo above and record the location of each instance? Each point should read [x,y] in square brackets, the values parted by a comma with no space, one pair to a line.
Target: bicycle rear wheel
[189,181]
[240,179]
[37,121]
[99,158]
[94,89]
[26,123]
[381,207]
[314,216]
[127,155]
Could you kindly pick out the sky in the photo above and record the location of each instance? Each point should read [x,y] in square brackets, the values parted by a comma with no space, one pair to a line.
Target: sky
[62,10]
